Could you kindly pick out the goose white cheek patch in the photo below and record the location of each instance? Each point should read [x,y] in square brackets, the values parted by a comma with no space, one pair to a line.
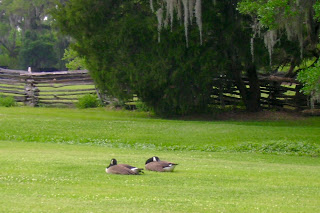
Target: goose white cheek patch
[169,168]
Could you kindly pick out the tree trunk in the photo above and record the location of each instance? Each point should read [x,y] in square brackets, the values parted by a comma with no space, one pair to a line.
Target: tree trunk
[254,93]
[250,96]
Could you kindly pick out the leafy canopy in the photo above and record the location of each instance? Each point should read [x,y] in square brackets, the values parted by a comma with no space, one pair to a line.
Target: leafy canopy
[119,41]
[310,77]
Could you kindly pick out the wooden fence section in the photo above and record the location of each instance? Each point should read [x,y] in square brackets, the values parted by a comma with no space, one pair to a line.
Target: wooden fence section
[65,87]
[276,93]
[46,88]
[11,84]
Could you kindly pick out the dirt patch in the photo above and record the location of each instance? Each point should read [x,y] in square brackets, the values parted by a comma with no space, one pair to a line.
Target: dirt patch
[311,112]
[247,116]
[259,116]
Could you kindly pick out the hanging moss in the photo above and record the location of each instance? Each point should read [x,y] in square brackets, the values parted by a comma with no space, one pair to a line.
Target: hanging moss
[191,9]
[290,16]
[270,40]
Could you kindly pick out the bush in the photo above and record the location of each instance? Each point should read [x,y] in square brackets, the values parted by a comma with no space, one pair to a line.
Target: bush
[142,107]
[310,77]
[88,101]
[7,101]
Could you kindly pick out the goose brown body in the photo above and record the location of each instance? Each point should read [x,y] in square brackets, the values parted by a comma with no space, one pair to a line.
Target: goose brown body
[122,169]
[155,164]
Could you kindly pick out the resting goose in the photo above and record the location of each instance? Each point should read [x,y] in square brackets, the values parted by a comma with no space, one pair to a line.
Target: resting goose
[122,169]
[155,164]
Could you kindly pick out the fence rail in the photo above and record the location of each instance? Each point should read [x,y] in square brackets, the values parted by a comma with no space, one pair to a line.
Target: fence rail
[65,87]
[48,88]
[276,93]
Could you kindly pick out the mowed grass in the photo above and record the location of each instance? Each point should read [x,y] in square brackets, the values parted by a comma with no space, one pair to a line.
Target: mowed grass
[139,129]
[50,177]
[53,160]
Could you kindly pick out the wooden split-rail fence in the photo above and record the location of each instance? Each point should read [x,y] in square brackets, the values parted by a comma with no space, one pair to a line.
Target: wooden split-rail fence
[65,88]
[276,93]
[46,88]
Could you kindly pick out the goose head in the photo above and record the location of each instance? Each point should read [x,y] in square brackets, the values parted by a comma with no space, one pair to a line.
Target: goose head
[113,162]
[153,159]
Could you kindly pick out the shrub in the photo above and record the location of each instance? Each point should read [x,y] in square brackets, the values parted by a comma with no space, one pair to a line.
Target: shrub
[7,101]
[88,101]
[142,107]
[310,77]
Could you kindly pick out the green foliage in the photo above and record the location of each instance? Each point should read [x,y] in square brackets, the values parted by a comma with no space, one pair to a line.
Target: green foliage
[74,62]
[10,36]
[125,58]
[142,107]
[16,19]
[310,77]
[268,11]
[88,101]
[4,59]
[37,51]
[317,10]
[7,101]
[289,28]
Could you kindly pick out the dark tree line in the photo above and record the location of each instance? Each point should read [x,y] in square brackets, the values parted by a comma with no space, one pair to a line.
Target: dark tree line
[27,36]
[119,41]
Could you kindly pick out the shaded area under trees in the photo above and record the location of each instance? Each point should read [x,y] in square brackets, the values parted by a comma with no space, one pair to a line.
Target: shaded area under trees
[119,41]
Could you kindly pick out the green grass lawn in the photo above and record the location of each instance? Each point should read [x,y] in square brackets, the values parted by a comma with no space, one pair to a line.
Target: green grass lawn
[124,128]
[48,177]
[53,160]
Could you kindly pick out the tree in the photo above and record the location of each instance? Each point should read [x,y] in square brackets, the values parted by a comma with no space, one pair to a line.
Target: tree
[9,33]
[17,18]
[310,77]
[232,46]
[37,51]
[185,9]
[317,10]
[270,19]
[299,21]
[294,18]
[119,41]
[74,61]
[120,45]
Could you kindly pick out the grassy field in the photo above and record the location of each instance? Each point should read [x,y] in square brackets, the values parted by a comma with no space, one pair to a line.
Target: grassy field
[53,160]
[138,129]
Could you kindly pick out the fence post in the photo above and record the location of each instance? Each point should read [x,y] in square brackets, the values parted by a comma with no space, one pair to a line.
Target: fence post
[31,93]
[221,86]
[301,100]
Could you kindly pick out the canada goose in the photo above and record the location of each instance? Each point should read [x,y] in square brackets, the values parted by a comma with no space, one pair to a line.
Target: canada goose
[122,169]
[155,164]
